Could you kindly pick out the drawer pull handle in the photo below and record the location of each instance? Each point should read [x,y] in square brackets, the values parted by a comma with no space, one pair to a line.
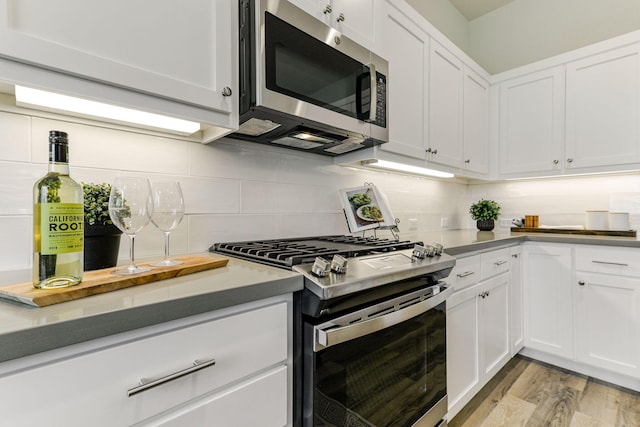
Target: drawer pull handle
[620,264]
[497,263]
[465,274]
[147,383]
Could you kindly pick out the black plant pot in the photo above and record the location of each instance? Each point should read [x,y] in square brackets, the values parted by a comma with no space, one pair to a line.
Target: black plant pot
[101,246]
[485,224]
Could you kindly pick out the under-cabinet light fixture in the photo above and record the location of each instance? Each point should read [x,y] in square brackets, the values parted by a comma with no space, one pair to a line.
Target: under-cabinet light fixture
[384,164]
[50,101]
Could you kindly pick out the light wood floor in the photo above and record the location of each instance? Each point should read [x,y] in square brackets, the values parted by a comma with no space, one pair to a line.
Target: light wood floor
[530,393]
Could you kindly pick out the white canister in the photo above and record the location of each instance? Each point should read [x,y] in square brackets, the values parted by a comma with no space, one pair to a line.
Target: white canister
[619,221]
[597,220]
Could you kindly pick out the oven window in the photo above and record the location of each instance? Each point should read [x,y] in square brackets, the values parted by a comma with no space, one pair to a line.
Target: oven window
[388,378]
[304,68]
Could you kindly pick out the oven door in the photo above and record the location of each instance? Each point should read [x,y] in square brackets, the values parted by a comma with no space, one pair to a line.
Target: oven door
[384,365]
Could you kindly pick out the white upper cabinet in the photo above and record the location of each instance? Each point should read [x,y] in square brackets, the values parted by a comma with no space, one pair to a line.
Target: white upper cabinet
[406,47]
[531,117]
[445,106]
[186,55]
[603,109]
[475,123]
[353,18]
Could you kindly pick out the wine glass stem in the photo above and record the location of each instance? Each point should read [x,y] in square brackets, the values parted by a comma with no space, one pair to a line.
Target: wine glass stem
[166,245]
[132,263]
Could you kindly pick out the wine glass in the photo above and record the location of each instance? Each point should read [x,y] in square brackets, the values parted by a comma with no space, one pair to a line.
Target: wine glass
[130,206]
[168,210]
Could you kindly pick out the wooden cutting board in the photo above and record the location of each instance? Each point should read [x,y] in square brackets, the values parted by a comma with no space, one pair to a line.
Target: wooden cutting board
[624,233]
[101,281]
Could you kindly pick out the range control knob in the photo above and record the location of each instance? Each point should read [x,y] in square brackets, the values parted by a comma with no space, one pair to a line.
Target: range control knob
[320,267]
[419,252]
[339,264]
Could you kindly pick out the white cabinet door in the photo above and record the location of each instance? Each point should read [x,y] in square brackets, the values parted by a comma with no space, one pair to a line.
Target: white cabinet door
[607,322]
[463,341]
[406,47]
[494,325]
[353,18]
[445,106]
[167,49]
[531,118]
[516,301]
[477,338]
[603,109]
[475,122]
[548,299]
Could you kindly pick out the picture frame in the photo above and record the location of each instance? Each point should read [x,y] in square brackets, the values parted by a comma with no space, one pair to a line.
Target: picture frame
[366,208]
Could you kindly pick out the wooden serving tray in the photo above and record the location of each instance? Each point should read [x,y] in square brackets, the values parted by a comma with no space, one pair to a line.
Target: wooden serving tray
[101,281]
[624,233]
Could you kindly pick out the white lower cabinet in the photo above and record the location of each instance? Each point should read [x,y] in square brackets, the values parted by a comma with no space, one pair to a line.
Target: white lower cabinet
[516,301]
[548,307]
[607,308]
[98,383]
[477,338]
[607,322]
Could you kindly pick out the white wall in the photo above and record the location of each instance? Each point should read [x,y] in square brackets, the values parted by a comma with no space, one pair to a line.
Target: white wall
[446,18]
[525,31]
[233,190]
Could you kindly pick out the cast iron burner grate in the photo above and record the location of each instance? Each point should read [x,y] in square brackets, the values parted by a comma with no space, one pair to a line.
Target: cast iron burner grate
[289,252]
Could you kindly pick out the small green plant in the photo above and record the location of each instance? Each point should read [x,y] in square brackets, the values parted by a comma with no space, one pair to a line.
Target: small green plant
[484,210]
[96,203]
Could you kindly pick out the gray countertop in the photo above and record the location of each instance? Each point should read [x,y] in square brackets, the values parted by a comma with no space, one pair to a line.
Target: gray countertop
[26,330]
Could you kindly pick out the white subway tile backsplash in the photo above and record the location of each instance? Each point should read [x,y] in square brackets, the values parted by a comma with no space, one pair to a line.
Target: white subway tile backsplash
[100,147]
[210,195]
[15,137]
[233,159]
[16,244]
[204,230]
[16,187]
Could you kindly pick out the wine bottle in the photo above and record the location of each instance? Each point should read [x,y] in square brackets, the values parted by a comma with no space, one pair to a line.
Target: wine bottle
[58,221]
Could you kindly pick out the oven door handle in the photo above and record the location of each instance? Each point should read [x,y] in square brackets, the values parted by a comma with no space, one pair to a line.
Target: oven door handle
[331,335]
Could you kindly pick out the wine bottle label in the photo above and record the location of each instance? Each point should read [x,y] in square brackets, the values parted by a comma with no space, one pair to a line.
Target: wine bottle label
[61,228]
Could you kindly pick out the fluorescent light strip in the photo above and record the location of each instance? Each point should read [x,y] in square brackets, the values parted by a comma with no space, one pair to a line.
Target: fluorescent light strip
[383,164]
[38,99]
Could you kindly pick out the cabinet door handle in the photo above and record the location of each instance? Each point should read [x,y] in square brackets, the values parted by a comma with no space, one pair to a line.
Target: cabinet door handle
[581,282]
[501,262]
[569,160]
[467,161]
[340,17]
[555,161]
[435,151]
[465,274]
[226,91]
[147,383]
[620,264]
[327,9]
[515,255]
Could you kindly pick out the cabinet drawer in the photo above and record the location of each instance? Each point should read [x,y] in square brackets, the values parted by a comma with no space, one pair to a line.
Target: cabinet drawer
[494,263]
[266,395]
[608,260]
[465,273]
[93,388]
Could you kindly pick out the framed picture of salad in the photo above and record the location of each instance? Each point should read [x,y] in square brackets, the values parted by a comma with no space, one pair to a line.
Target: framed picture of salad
[365,208]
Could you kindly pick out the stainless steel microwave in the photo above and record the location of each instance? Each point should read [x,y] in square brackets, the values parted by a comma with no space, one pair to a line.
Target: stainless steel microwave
[305,86]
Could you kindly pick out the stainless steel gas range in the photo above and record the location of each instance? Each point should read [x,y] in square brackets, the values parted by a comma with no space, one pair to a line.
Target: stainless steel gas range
[369,328]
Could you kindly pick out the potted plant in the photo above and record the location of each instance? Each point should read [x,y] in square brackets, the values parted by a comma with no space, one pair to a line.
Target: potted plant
[485,212]
[101,237]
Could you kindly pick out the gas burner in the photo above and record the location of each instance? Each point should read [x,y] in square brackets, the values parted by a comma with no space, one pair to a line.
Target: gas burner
[286,253]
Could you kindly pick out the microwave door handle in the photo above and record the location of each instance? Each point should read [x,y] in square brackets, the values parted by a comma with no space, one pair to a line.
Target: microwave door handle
[373,98]
[374,93]
[336,335]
